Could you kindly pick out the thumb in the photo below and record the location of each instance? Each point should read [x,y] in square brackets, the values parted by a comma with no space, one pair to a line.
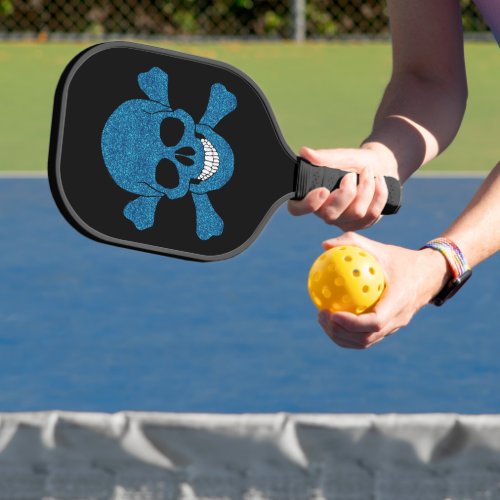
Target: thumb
[337,157]
[349,238]
[311,155]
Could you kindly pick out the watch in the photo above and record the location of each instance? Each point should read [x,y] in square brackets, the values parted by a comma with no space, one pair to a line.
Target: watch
[459,267]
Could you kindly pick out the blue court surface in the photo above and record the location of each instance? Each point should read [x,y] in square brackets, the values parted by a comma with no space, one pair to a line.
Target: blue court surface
[90,327]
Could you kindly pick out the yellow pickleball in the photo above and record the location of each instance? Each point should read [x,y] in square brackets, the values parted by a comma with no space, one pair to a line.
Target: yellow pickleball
[346,278]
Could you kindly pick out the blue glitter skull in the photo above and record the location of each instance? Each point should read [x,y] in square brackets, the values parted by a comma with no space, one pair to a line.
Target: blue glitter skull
[144,138]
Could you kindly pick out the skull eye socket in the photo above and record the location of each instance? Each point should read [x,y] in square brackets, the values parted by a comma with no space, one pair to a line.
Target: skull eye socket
[171,131]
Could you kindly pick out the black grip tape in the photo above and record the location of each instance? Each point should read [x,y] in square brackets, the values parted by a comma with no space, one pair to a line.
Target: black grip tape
[309,177]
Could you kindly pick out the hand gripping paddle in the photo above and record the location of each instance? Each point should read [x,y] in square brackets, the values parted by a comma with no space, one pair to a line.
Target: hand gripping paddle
[172,153]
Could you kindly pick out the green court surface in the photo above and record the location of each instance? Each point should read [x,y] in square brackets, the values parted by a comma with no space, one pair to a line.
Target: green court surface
[323,94]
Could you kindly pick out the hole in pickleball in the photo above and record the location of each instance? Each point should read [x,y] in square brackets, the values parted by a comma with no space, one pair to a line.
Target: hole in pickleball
[360,309]
[327,293]
[372,270]
[348,258]
[379,288]
[363,254]
[356,273]
[339,281]
[317,276]
[346,299]
[366,289]
[166,174]
[171,131]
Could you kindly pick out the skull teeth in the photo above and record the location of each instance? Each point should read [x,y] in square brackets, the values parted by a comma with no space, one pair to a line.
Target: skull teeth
[211,161]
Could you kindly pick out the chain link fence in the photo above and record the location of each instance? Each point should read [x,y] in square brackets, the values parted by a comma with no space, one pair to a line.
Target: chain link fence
[285,19]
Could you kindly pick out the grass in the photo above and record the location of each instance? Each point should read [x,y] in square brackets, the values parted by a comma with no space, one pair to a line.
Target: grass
[323,94]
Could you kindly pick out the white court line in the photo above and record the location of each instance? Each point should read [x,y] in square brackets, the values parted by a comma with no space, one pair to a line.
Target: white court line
[23,174]
[453,174]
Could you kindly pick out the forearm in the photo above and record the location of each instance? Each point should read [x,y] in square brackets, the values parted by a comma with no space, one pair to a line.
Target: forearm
[477,230]
[424,103]
[416,120]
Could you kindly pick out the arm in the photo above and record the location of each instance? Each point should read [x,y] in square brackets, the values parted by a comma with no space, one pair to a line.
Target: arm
[424,103]
[419,114]
[477,230]
[415,277]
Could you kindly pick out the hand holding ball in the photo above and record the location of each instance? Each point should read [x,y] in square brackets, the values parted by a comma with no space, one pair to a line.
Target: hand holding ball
[346,278]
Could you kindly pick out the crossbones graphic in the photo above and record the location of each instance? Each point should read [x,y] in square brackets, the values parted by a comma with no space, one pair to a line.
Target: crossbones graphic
[145,139]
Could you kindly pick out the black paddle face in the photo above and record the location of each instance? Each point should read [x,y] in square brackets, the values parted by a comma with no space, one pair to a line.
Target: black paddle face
[164,152]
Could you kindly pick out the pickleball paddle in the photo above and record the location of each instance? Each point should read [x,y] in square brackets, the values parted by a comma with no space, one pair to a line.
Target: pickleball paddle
[172,153]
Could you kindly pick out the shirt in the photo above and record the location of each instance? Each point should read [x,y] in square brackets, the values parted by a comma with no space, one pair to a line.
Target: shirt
[490,9]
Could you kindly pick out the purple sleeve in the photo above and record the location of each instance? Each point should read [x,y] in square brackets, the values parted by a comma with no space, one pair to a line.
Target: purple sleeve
[490,9]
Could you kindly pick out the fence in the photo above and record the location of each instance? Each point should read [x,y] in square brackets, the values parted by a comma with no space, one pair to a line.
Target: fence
[207,18]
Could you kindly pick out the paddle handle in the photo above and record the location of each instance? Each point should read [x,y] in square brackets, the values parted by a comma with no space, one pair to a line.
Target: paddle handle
[309,177]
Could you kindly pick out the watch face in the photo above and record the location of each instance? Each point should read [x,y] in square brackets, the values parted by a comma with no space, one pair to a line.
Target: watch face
[451,288]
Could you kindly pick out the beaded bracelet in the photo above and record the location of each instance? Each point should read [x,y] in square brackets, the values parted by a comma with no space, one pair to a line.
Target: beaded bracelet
[452,254]
[460,269]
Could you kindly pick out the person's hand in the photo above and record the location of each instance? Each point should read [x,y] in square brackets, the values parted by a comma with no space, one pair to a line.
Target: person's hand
[413,278]
[351,206]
